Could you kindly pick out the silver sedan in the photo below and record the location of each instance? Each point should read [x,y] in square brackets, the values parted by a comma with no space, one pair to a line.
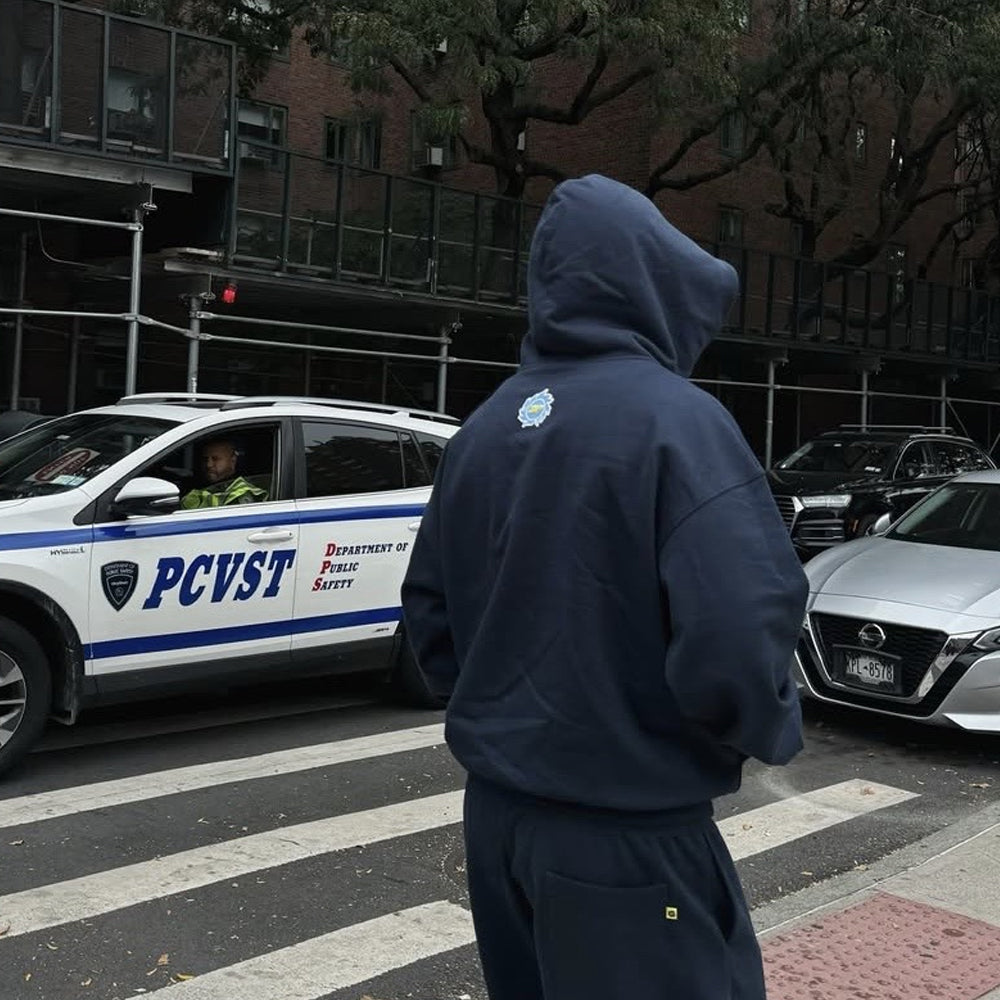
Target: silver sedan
[907,622]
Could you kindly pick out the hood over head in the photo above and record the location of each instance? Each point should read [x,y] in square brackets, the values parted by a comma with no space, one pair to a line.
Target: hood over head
[608,274]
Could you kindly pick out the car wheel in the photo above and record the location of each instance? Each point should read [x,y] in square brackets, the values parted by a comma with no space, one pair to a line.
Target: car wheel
[25,692]
[408,685]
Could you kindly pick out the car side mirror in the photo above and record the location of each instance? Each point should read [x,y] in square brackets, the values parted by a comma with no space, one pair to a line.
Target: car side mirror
[145,496]
[882,525]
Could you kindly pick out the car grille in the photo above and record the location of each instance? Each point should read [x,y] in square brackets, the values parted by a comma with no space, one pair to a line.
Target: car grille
[786,507]
[917,648]
[820,532]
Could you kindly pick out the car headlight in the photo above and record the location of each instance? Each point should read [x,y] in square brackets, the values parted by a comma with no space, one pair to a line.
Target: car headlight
[834,501]
[989,642]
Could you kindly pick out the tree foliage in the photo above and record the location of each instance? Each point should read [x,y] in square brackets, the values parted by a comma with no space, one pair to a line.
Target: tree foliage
[493,60]
[928,66]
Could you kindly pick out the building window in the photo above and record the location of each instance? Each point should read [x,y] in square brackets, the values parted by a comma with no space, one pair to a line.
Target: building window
[730,226]
[732,134]
[895,261]
[972,274]
[261,132]
[798,237]
[432,151]
[861,143]
[357,142]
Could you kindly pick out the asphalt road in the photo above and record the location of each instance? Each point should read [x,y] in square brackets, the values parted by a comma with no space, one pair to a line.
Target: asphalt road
[303,843]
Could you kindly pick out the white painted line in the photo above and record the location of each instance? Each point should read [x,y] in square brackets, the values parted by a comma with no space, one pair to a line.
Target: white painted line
[91,895]
[336,961]
[105,794]
[799,816]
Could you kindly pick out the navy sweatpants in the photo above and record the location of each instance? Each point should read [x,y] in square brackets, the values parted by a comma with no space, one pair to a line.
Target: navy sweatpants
[578,904]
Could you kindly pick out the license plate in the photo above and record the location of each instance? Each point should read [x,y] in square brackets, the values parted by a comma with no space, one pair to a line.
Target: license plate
[869,671]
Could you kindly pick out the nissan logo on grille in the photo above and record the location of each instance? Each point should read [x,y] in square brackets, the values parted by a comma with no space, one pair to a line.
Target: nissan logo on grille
[873,636]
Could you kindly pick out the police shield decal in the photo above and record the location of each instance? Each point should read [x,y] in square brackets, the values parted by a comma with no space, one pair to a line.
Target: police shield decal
[118,580]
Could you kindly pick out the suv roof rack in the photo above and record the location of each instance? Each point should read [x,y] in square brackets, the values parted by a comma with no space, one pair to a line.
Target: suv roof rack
[177,398]
[245,402]
[898,428]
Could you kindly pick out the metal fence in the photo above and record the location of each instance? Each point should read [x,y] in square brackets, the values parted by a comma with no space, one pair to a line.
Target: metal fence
[305,215]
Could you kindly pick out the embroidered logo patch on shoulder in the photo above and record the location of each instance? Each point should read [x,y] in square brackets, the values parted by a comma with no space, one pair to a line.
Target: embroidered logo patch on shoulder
[536,409]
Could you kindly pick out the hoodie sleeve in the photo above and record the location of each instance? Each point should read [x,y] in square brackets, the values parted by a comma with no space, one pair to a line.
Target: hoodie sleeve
[736,595]
[425,611]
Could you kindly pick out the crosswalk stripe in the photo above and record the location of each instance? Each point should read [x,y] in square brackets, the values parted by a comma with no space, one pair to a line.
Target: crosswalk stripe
[103,794]
[798,816]
[91,895]
[335,961]
[32,910]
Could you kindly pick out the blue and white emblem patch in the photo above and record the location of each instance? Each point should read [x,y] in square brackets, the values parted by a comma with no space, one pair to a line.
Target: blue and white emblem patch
[536,409]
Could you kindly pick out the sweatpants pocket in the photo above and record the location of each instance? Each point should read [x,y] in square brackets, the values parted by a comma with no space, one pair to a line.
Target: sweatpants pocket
[655,942]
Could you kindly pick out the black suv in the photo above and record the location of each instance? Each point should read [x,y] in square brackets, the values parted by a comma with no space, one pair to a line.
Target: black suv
[836,486]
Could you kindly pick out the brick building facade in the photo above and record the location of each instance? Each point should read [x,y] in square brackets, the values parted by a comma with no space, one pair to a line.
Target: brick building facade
[337,215]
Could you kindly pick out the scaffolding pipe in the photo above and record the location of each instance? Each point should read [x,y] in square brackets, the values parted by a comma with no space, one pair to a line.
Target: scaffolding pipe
[864,399]
[944,402]
[76,220]
[772,369]
[22,278]
[74,364]
[194,343]
[317,328]
[442,376]
[7,310]
[135,293]
[321,348]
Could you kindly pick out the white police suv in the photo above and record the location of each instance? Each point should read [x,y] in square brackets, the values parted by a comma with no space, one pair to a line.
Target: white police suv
[174,540]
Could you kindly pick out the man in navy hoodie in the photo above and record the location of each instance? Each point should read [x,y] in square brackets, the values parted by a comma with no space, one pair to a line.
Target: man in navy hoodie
[604,590]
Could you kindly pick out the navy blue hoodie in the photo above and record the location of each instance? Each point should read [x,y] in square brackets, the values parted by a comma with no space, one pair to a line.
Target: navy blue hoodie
[601,581]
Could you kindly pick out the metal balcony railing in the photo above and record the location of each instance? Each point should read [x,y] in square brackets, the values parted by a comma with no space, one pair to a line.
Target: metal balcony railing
[309,216]
[97,83]
[304,215]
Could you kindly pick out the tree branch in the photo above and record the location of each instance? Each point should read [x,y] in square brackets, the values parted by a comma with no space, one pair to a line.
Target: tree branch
[410,79]
[576,113]
[550,45]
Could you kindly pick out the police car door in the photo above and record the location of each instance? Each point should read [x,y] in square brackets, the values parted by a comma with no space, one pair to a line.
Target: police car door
[205,591]
[362,492]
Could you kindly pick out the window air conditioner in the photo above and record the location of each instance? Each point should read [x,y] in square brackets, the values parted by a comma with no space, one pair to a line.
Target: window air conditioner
[253,154]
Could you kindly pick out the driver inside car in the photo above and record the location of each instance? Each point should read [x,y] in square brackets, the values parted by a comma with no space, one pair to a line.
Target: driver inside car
[224,485]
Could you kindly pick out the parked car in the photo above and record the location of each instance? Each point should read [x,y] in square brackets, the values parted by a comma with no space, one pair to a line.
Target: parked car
[836,486]
[907,622]
[110,589]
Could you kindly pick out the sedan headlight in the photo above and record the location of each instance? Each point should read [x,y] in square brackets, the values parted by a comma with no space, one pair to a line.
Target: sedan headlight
[834,501]
[989,642]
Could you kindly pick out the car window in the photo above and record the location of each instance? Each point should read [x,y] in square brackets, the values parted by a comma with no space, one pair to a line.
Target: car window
[65,453]
[953,458]
[962,515]
[915,462]
[224,467]
[413,463]
[351,458]
[842,455]
[433,449]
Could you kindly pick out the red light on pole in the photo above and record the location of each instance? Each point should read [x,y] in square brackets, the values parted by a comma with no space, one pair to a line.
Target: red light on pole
[229,293]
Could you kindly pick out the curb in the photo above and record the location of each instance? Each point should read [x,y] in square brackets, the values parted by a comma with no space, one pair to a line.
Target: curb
[843,890]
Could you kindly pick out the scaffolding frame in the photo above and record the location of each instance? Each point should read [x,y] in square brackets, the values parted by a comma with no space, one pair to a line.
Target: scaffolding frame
[441,357]
[132,317]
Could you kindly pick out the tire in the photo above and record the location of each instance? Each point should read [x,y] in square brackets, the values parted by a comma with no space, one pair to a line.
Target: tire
[407,684]
[25,692]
